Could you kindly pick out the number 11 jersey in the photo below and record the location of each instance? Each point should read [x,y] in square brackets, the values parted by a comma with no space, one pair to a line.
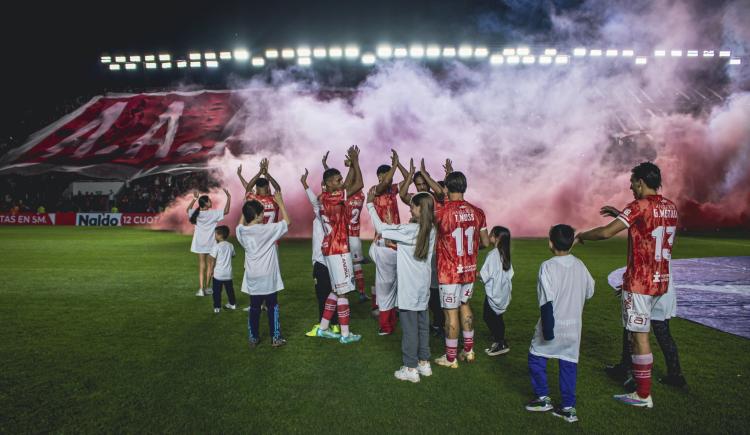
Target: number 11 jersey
[458,225]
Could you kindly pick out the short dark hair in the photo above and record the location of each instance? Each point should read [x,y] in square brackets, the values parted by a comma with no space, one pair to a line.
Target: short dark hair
[382,169]
[251,209]
[456,182]
[261,182]
[223,231]
[649,173]
[417,175]
[332,172]
[562,237]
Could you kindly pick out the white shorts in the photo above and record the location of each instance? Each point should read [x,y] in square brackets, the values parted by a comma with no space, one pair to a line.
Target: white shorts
[637,310]
[453,295]
[666,307]
[355,247]
[386,284]
[341,270]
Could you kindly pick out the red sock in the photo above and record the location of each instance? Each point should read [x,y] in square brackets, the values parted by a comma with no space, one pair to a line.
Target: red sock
[328,310]
[451,348]
[642,365]
[359,278]
[384,319]
[343,309]
[468,341]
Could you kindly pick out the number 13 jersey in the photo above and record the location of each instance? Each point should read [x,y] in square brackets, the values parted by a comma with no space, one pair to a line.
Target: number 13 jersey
[458,225]
[652,223]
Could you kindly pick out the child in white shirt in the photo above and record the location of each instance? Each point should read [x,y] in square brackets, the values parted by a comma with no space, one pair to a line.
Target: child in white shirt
[222,254]
[497,273]
[205,221]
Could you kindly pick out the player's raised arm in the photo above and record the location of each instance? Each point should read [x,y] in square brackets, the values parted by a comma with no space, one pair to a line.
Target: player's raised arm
[603,232]
[251,184]
[484,238]
[325,161]
[270,178]
[357,183]
[192,203]
[242,179]
[282,208]
[403,189]
[438,189]
[229,202]
[350,173]
[303,179]
[387,181]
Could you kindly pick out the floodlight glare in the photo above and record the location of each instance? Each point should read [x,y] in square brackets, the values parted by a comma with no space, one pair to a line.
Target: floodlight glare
[368,59]
[149,58]
[287,53]
[660,53]
[194,64]
[130,66]
[545,60]
[528,60]
[496,59]
[335,52]
[433,51]
[611,53]
[225,55]
[164,57]
[641,60]
[135,58]
[416,51]
[212,63]
[580,51]
[120,59]
[509,51]
[725,53]
[166,65]
[628,53]
[676,53]
[708,53]
[522,51]
[692,53]
[384,51]
[210,55]
[400,52]
[513,60]
[303,52]
[114,67]
[181,64]
[595,53]
[320,52]
[272,54]
[481,52]
[106,59]
[562,60]
[735,61]
[550,51]
[351,52]
[304,61]
[449,52]
[465,51]
[194,56]
[258,61]
[150,65]
[241,54]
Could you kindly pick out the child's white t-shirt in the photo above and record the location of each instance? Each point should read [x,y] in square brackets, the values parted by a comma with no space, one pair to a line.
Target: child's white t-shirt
[203,234]
[262,274]
[223,253]
[564,281]
[497,282]
[318,233]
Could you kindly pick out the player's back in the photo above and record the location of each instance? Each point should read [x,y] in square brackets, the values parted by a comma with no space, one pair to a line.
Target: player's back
[270,208]
[335,217]
[459,224]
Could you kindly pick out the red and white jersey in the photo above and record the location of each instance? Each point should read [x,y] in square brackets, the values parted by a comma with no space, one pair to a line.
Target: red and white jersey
[386,205]
[335,215]
[458,224]
[652,225]
[270,208]
[355,204]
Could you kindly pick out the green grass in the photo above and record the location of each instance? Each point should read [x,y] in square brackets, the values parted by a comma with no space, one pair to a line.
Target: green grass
[101,333]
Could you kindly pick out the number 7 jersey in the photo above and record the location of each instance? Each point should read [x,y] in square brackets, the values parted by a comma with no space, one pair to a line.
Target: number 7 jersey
[458,226]
[652,224]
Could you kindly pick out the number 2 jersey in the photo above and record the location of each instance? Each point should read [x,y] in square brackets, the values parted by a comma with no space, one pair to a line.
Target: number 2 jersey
[355,204]
[458,224]
[335,215]
[652,224]
[270,208]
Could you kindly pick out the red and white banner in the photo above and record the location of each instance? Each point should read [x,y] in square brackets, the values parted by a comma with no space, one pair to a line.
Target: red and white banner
[27,219]
[124,136]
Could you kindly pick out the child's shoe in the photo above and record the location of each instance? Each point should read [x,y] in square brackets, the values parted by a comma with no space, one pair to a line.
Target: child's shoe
[540,404]
[208,291]
[407,374]
[327,333]
[568,414]
[253,342]
[230,307]
[469,356]
[497,349]
[351,338]
[424,369]
[278,341]
[336,329]
[217,310]
[200,292]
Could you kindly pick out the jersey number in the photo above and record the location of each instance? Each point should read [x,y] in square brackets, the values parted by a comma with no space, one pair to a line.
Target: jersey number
[269,216]
[663,250]
[458,234]
[355,216]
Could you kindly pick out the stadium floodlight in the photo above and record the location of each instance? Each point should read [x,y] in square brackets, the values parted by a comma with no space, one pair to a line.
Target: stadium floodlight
[562,60]
[595,53]
[287,53]
[209,55]
[150,65]
[304,61]
[513,60]
[735,61]
[194,56]
[465,51]
[149,58]
[611,52]
[135,58]
[628,53]
[725,53]
[320,52]
[225,55]
[509,51]
[335,52]
[641,60]
[212,63]
[416,51]
[241,54]
[545,60]
[676,53]
[164,57]
[523,51]
[550,51]
[258,62]
[181,64]
[449,52]
[195,64]
[692,53]
[384,51]
[400,52]
[481,52]
[660,53]
[578,52]
[433,51]
[368,59]
[114,67]
[351,51]
[497,59]
[272,54]
[120,59]
[528,60]
[303,52]
[106,59]
[708,53]
[166,65]
[130,66]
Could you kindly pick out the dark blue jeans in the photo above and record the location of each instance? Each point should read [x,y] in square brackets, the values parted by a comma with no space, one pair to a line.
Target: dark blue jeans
[253,320]
[567,379]
[217,291]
